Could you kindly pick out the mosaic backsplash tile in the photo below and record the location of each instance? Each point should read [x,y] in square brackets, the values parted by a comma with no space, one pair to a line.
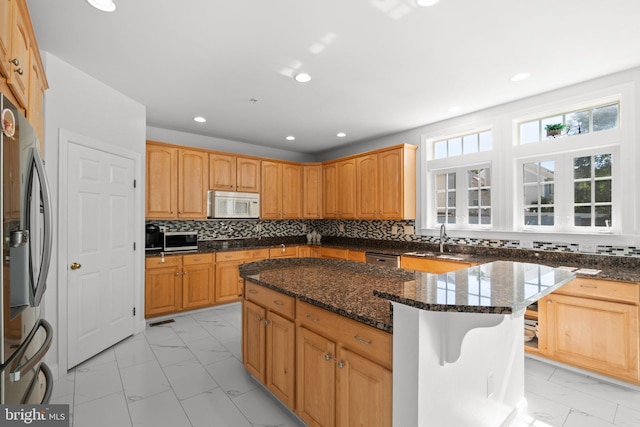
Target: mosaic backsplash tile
[359,229]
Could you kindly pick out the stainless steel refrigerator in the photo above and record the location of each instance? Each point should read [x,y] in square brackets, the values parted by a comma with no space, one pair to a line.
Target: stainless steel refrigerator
[26,254]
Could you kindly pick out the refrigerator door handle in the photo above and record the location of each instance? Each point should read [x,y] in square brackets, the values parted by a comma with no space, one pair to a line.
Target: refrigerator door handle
[15,372]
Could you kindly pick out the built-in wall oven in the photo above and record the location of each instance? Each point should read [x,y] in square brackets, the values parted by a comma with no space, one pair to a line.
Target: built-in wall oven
[26,253]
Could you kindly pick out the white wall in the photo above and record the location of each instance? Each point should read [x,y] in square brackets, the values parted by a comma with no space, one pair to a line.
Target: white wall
[79,103]
[209,143]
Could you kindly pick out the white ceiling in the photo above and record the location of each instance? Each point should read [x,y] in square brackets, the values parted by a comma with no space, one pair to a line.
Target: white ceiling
[378,66]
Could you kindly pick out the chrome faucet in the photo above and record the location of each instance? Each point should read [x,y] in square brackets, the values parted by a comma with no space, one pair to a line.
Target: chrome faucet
[443,234]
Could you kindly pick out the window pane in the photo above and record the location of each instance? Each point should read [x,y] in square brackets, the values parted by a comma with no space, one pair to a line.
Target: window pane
[603,216]
[473,178]
[549,121]
[530,132]
[440,181]
[452,216]
[577,122]
[547,170]
[546,216]
[602,165]
[451,198]
[582,192]
[474,197]
[485,177]
[582,216]
[486,141]
[605,117]
[530,172]
[546,198]
[451,181]
[455,147]
[441,200]
[531,195]
[582,167]
[603,191]
[470,143]
[485,216]
[442,217]
[440,149]
[485,197]
[473,216]
[531,216]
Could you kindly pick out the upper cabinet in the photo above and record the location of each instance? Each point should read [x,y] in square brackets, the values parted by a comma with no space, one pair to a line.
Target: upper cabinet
[281,190]
[386,184]
[339,189]
[234,173]
[19,58]
[312,191]
[176,182]
[6,27]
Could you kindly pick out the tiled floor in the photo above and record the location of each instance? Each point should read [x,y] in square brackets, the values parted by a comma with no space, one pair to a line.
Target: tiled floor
[189,373]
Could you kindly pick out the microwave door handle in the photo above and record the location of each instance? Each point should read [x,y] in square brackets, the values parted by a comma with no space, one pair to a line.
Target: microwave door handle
[41,280]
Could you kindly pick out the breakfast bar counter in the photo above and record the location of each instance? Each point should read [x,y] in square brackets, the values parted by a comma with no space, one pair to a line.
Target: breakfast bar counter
[458,355]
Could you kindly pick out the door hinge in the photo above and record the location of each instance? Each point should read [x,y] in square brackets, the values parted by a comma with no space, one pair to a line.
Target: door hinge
[134,311]
[134,183]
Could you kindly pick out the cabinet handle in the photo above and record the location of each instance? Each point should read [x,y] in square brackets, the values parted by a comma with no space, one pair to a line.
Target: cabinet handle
[14,61]
[178,274]
[549,302]
[252,291]
[340,365]
[184,272]
[362,340]
[313,319]
[267,322]
[327,357]
[260,319]
[278,303]
[19,71]
[589,286]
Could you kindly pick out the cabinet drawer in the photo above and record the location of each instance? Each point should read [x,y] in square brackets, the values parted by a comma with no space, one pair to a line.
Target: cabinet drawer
[431,265]
[242,255]
[270,299]
[197,259]
[160,262]
[358,337]
[357,256]
[280,252]
[333,253]
[602,289]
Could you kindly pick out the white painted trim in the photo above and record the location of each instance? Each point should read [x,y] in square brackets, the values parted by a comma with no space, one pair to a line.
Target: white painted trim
[66,137]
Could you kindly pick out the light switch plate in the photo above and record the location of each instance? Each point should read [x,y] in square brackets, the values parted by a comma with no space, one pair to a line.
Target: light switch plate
[408,229]
[304,227]
[341,228]
[394,230]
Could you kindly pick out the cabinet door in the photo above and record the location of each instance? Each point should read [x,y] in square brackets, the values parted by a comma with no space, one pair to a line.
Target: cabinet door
[248,175]
[18,78]
[280,358]
[227,280]
[6,20]
[222,172]
[364,396]
[36,96]
[316,378]
[197,286]
[347,189]
[161,182]
[330,190]
[193,167]
[271,194]
[312,191]
[367,187]
[291,191]
[597,335]
[162,291]
[254,339]
[390,184]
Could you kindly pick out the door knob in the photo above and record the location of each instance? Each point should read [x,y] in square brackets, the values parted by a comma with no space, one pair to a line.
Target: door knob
[75,266]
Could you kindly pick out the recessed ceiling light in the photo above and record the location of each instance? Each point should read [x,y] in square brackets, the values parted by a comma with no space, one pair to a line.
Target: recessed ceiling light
[291,138]
[519,77]
[199,119]
[341,135]
[454,109]
[302,77]
[426,3]
[103,5]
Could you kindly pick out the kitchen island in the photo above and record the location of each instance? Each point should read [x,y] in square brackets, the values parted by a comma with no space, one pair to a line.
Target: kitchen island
[458,357]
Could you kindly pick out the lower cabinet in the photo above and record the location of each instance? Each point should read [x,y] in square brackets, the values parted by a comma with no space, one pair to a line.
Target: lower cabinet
[432,265]
[228,280]
[176,283]
[593,324]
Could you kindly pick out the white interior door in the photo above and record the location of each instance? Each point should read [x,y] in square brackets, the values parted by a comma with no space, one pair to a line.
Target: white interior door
[100,252]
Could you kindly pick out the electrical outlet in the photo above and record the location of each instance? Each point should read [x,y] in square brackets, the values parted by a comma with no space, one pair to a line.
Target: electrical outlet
[408,229]
[526,244]
[304,227]
[394,230]
[341,228]
[490,385]
[588,247]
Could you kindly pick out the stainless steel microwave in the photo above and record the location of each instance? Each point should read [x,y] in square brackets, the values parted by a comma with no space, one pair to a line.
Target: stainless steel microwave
[180,241]
[227,204]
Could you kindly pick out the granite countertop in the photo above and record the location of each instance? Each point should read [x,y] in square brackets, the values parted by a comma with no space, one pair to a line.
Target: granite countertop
[362,291]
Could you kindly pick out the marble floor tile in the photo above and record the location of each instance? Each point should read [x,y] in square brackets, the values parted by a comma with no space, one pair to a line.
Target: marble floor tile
[627,417]
[188,329]
[580,419]
[133,351]
[262,409]
[231,376]
[214,408]
[109,411]
[144,380]
[96,381]
[546,410]
[171,351]
[159,410]
[209,350]
[235,347]
[189,378]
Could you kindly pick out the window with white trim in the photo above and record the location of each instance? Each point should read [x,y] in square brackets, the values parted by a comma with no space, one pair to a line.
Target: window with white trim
[459,145]
[463,196]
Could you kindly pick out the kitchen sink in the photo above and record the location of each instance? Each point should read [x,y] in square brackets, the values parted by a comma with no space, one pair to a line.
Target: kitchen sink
[452,257]
[437,255]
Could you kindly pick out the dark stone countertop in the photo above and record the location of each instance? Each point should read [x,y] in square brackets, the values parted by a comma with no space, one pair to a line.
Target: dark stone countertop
[362,291]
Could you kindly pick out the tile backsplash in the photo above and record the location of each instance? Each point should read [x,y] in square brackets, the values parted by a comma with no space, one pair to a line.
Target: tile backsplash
[358,229]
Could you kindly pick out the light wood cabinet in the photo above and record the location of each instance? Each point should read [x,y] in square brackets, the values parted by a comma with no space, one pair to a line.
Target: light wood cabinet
[281,190]
[176,182]
[178,283]
[593,324]
[20,55]
[312,191]
[330,190]
[337,253]
[430,265]
[385,184]
[309,251]
[228,281]
[229,172]
[269,340]
[339,189]
[343,370]
[283,251]
[6,27]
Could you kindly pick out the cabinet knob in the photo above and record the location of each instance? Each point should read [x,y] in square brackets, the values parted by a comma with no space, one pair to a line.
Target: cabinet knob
[327,357]
[549,302]
[340,365]
[14,61]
